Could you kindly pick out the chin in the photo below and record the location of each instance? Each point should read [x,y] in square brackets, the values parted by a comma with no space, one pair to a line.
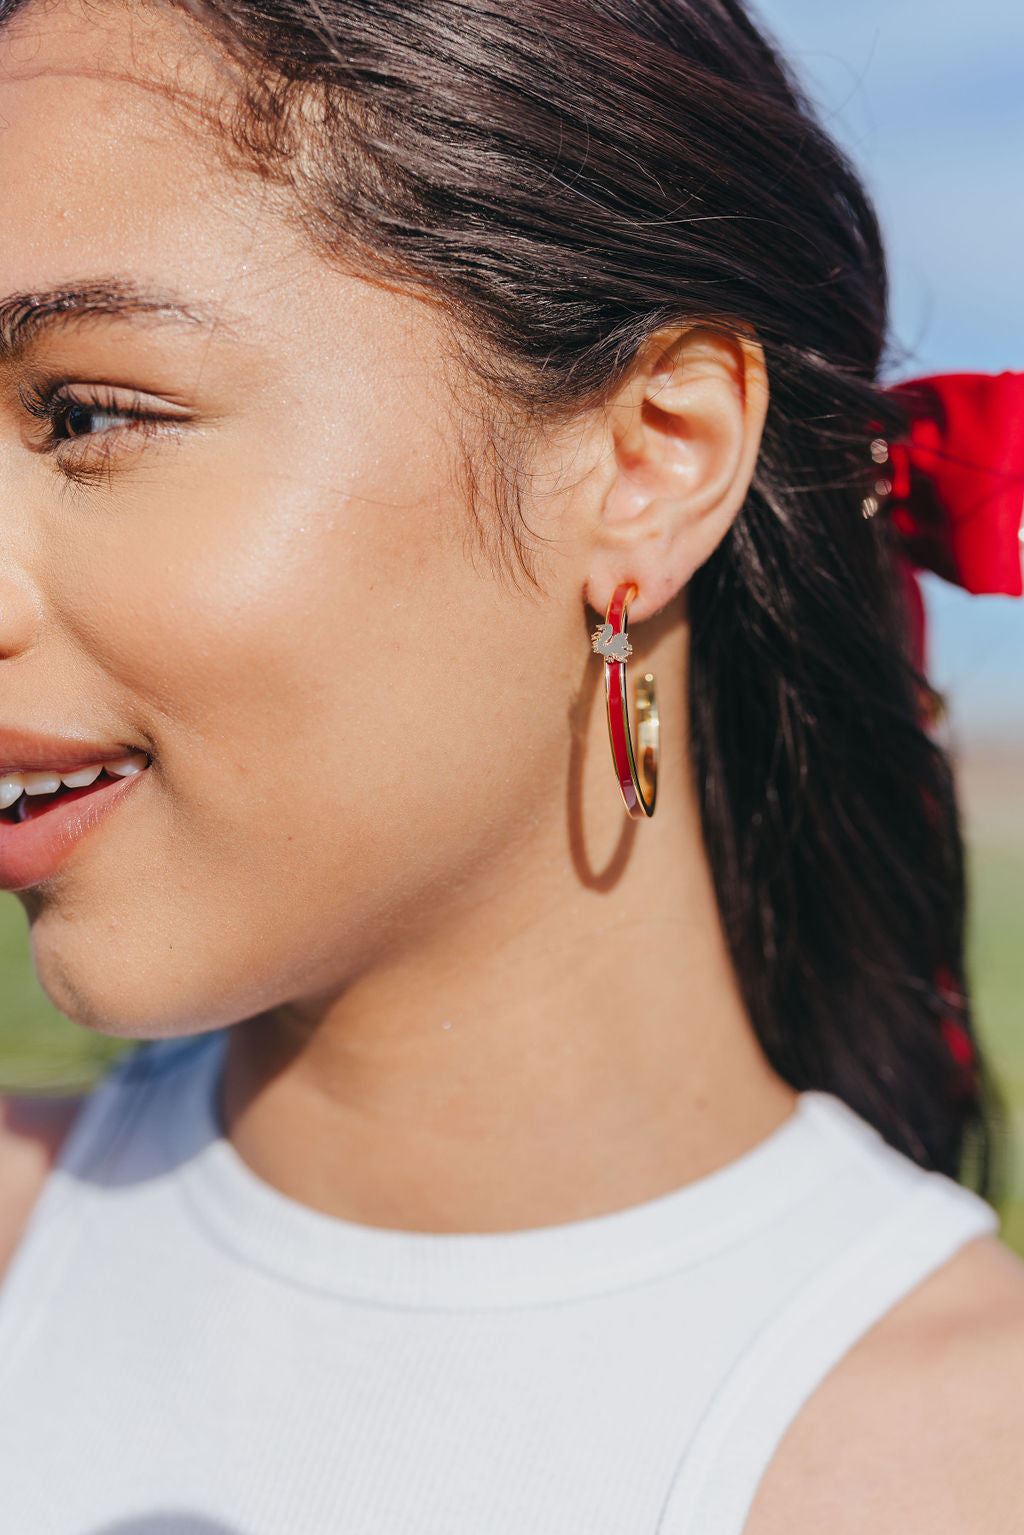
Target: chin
[103,983]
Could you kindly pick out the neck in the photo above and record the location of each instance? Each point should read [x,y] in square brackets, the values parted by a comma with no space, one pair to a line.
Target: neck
[567,1041]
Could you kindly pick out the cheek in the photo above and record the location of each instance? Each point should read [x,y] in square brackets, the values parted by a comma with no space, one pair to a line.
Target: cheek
[316,676]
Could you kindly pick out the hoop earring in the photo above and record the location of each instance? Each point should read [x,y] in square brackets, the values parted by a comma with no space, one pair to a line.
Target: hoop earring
[610,641]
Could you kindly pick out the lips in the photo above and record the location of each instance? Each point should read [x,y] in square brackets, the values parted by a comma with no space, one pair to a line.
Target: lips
[42,830]
[28,751]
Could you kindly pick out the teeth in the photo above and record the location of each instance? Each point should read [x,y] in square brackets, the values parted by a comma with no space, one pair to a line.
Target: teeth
[10,790]
[124,767]
[81,778]
[40,783]
[13,785]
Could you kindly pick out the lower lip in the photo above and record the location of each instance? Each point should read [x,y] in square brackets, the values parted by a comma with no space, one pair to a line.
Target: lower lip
[31,851]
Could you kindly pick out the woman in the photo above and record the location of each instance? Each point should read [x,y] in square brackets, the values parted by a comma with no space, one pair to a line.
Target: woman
[498,1161]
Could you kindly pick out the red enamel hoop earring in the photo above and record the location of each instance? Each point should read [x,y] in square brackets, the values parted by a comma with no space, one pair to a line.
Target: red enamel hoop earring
[611,642]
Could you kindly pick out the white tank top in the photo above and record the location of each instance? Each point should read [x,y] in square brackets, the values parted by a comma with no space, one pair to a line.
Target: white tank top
[186,1351]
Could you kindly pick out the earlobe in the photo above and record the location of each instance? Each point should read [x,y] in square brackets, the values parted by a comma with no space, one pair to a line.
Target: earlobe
[685,430]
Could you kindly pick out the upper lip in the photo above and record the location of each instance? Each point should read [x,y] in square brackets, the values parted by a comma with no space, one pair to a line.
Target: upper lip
[23,751]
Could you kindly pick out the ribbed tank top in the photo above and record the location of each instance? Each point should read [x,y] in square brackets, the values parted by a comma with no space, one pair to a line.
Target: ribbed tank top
[186,1351]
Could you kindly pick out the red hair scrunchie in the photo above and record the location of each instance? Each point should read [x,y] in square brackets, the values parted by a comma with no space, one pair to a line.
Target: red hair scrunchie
[955,485]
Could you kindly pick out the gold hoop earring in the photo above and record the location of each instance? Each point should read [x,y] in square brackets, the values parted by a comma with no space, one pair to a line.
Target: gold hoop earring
[611,642]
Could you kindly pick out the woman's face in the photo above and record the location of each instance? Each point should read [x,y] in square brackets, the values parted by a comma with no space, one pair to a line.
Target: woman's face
[236,537]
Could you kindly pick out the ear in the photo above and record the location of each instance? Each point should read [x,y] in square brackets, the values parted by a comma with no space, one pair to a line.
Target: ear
[684,432]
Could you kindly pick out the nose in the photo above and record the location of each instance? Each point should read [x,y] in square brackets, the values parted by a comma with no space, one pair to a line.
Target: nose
[19,614]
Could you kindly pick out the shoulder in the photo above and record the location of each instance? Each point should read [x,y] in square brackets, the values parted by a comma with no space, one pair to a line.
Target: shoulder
[919,1428]
[32,1131]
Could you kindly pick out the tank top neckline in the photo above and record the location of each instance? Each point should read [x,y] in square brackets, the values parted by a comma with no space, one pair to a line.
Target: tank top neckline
[296,1244]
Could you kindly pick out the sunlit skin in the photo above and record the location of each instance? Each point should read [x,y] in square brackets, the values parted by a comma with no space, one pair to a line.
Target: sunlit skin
[380,830]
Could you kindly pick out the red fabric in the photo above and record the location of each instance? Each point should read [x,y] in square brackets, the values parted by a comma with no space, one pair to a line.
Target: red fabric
[961,1046]
[958,486]
[958,479]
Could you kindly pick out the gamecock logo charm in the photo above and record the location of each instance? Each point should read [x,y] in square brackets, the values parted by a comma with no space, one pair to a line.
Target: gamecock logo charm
[612,646]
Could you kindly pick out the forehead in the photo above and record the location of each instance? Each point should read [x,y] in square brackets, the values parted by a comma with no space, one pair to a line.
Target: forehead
[107,160]
[112,170]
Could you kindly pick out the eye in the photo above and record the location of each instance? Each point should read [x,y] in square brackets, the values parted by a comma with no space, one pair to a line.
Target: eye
[87,427]
[81,418]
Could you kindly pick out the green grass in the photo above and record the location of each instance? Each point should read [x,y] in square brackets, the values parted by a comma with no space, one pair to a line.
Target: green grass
[996,873]
[40,1050]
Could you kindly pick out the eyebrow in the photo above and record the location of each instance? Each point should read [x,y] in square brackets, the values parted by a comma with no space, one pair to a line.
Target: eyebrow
[24,317]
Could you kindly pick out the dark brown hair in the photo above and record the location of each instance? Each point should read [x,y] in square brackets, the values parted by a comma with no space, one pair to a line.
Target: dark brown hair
[565,177]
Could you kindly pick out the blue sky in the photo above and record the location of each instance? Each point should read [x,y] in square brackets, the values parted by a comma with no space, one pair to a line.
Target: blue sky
[928,98]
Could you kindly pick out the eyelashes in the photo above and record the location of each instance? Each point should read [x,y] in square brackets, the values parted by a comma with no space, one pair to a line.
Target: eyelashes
[86,428]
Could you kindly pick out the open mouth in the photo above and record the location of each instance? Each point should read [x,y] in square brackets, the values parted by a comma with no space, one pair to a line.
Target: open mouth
[28,796]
